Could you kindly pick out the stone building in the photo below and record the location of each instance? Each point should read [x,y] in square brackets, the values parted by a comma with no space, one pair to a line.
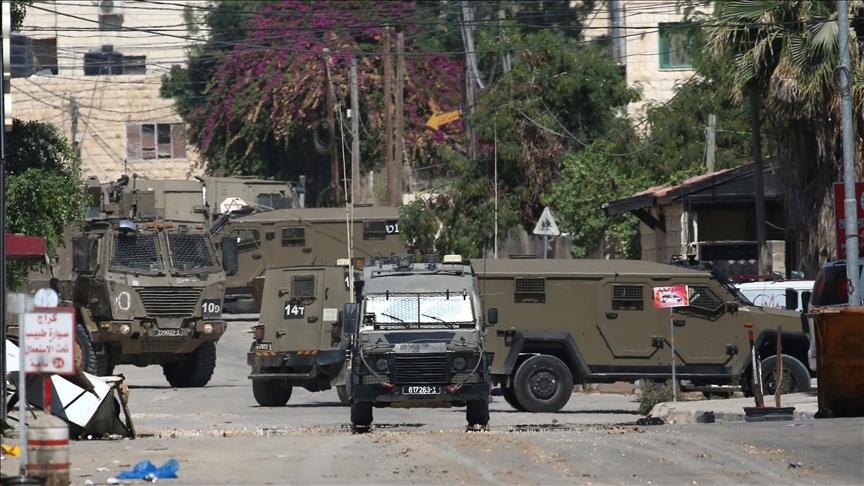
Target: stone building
[94,68]
[649,38]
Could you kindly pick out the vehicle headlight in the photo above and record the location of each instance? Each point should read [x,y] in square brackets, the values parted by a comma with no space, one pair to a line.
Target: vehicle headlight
[381,364]
[460,363]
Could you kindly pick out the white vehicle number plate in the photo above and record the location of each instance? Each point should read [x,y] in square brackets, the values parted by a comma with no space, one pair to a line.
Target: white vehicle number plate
[421,390]
[168,332]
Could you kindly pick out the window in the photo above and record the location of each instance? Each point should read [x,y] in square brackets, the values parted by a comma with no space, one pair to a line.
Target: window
[295,236]
[379,230]
[675,44]
[247,239]
[148,141]
[530,290]
[302,288]
[701,297]
[627,297]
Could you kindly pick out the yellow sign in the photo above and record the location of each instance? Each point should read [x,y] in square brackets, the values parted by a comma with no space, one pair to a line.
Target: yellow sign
[435,121]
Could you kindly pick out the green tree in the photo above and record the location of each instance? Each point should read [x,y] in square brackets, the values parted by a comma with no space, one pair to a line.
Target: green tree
[44,190]
[785,52]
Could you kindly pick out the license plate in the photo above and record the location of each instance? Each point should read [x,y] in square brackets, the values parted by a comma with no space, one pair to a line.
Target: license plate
[168,332]
[421,390]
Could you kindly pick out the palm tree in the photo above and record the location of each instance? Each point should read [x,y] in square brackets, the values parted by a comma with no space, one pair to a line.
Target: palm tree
[785,53]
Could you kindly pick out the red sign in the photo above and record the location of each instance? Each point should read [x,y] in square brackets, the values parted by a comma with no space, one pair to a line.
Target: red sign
[840,211]
[671,296]
[49,341]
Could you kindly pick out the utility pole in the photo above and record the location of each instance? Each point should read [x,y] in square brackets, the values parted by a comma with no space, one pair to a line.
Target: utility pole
[758,175]
[331,121]
[73,115]
[850,205]
[472,76]
[399,156]
[388,121]
[355,134]
[5,49]
[711,142]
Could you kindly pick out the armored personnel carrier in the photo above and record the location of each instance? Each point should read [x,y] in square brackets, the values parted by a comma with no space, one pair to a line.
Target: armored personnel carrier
[147,291]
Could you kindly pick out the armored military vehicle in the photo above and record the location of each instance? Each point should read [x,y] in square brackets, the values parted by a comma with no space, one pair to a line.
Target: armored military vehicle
[147,291]
[417,340]
[298,340]
[303,236]
[594,321]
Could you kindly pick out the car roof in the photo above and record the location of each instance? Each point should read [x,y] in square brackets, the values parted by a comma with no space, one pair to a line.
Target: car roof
[568,267]
[777,284]
[299,215]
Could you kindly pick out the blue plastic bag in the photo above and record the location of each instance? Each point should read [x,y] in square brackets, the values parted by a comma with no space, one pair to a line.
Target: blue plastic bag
[148,470]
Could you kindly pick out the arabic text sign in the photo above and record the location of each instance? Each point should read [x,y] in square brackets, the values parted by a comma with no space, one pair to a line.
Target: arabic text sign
[671,296]
[49,345]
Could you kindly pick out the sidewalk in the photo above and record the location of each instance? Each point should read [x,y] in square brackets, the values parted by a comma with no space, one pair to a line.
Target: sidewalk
[730,410]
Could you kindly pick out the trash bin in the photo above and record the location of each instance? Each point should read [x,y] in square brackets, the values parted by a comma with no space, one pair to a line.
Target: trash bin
[840,360]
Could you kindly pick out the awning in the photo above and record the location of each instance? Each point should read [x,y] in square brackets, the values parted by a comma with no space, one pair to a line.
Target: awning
[22,246]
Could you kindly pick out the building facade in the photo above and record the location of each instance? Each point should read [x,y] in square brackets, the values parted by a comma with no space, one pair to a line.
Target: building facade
[93,69]
[650,40]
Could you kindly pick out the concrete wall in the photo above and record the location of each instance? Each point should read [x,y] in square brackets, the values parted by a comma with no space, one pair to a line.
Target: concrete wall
[95,110]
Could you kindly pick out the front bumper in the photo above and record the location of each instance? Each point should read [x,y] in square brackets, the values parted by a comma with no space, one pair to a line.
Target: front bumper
[379,393]
[137,336]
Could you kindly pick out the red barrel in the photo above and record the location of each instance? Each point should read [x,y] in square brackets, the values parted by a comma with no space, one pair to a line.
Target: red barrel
[48,450]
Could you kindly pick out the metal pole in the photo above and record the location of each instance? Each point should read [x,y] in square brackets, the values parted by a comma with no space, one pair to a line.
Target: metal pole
[22,395]
[495,180]
[6,18]
[545,245]
[849,203]
[672,345]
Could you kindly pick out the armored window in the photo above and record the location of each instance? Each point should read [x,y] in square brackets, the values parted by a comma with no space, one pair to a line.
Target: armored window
[189,252]
[247,239]
[295,236]
[273,200]
[530,290]
[302,288]
[627,297]
[374,230]
[703,297]
[136,252]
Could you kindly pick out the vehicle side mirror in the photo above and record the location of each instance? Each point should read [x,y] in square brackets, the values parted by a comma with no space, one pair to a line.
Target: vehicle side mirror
[791,299]
[350,319]
[492,316]
[732,307]
[230,255]
[81,254]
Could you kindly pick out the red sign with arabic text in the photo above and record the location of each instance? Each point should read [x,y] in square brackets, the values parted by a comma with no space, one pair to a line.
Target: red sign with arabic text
[48,344]
[671,296]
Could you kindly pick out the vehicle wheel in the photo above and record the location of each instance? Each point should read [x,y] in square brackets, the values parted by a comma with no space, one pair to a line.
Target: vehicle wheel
[85,352]
[271,393]
[543,383]
[342,392]
[477,413]
[796,378]
[361,414]
[510,398]
[194,370]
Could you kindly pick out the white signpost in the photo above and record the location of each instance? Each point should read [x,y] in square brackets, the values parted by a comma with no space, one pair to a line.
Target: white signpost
[547,227]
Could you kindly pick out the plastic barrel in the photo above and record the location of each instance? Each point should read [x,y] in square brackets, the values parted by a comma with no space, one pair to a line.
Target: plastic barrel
[840,361]
[48,450]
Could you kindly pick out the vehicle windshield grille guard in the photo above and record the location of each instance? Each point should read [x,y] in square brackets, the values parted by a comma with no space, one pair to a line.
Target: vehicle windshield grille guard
[426,310]
[189,252]
[137,252]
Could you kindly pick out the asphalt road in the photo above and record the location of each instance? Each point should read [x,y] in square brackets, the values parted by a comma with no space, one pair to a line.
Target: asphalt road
[219,435]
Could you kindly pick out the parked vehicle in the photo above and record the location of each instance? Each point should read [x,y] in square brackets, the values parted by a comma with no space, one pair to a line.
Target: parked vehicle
[831,288]
[776,293]
[593,321]
[417,340]
[147,291]
[310,236]
[298,340]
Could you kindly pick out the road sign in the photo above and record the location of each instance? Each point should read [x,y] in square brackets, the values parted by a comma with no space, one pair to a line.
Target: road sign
[546,225]
[436,121]
[671,296]
[840,211]
[49,341]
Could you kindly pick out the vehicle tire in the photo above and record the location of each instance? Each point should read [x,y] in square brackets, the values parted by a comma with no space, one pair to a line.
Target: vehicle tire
[193,370]
[85,351]
[477,413]
[796,378]
[342,392]
[361,414]
[510,398]
[271,393]
[543,383]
